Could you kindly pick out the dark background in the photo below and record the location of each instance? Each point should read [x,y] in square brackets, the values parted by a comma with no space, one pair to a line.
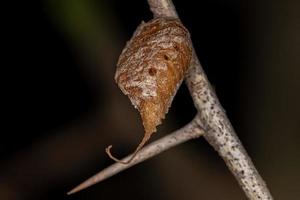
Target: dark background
[62,108]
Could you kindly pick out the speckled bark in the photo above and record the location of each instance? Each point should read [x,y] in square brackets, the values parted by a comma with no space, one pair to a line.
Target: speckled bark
[211,117]
[219,132]
[162,8]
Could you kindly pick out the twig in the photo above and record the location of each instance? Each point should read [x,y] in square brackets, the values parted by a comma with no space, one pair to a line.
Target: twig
[219,132]
[211,116]
[162,8]
[190,131]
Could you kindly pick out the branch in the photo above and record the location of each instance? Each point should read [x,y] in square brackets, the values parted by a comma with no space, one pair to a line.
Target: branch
[211,116]
[162,8]
[220,133]
[190,131]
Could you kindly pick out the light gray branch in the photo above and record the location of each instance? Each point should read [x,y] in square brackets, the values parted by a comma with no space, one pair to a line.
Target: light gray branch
[162,8]
[211,116]
[219,132]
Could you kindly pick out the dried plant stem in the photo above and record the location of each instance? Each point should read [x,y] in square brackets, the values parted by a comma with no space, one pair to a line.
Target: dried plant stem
[211,116]
[190,131]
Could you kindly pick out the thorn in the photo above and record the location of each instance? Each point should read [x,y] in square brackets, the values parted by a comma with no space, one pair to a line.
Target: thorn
[190,131]
[81,186]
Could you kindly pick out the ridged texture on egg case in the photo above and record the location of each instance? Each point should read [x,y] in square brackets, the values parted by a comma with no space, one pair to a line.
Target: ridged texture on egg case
[152,67]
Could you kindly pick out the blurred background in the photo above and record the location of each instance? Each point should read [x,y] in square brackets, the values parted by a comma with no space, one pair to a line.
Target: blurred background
[62,107]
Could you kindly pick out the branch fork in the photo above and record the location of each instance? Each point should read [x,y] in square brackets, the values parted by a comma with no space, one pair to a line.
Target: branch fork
[211,122]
